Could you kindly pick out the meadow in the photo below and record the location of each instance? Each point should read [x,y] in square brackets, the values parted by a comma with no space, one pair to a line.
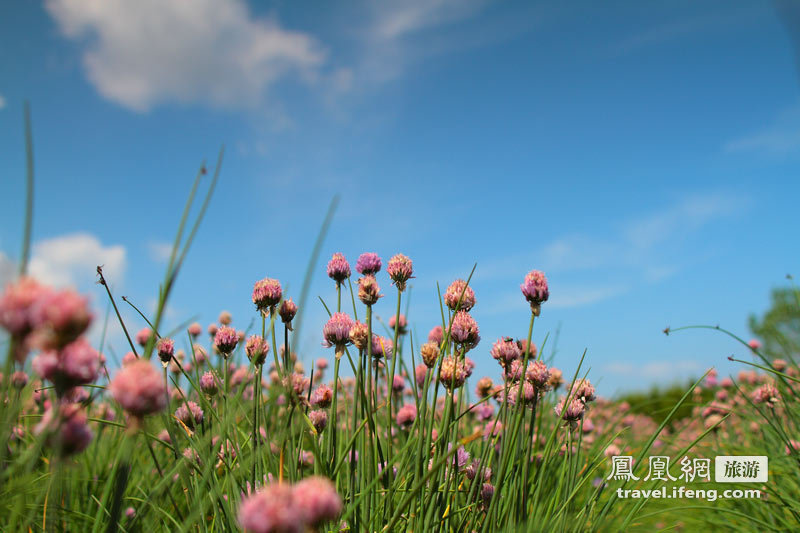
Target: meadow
[214,428]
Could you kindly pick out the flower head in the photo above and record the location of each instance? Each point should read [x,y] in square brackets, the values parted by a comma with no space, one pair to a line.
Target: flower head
[271,510]
[190,414]
[459,296]
[337,331]
[195,329]
[317,500]
[464,330]
[322,397]
[368,290]
[139,389]
[67,427]
[75,364]
[505,350]
[319,419]
[166,349]
[226,340]
[338,268]
[58,318]
[767,394]
[451,373]
[225,318]
[368,264]
[256,349]
[267,293]
[436,334]
[209,384]
[535,290]
[401,324]
[406,415]
[400,270]
[430,353]
[359,334]
[287,310]
[538,375]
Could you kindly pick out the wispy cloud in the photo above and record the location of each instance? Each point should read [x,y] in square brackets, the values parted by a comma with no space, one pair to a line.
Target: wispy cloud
[141,54]
[780,137]
[388,46]
[589,268]
[677,30]
[574,296]
[665,370]
[159,251]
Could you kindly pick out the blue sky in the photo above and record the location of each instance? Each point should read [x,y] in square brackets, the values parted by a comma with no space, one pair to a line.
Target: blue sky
[643,156]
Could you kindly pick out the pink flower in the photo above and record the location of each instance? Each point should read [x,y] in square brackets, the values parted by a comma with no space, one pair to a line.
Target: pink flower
[505,350]
[464,330]
[195,329]
[381,347]
[535,290]
[75,364]
[368,290]
[257,349]
[70,422]
[272,509]
[400,270]
[451,373]
[406,415]
[768,394]
[190,414]
[166,349]
[459,291]
[212,329]
[143,336]
[139,389]
[368,264]
[209,384]
[436,334]
[267,293]
[319,419]
[337,331]
[322,396]
[225,318]
[573,412]
[338,268]
[322,363]
[19,380]
[420,372]
[58,318]
[16,304]
[287,311]
[754,344]
[583,390]
[402,324]
[359,334]
[226,340]
[537,374]
[317,501]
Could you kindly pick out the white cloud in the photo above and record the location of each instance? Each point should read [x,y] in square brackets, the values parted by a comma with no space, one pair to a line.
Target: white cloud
[143,53]
[2,102]
[72,260]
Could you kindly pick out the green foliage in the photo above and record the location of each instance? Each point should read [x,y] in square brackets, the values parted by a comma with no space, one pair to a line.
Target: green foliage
[658,401]
[779,327]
